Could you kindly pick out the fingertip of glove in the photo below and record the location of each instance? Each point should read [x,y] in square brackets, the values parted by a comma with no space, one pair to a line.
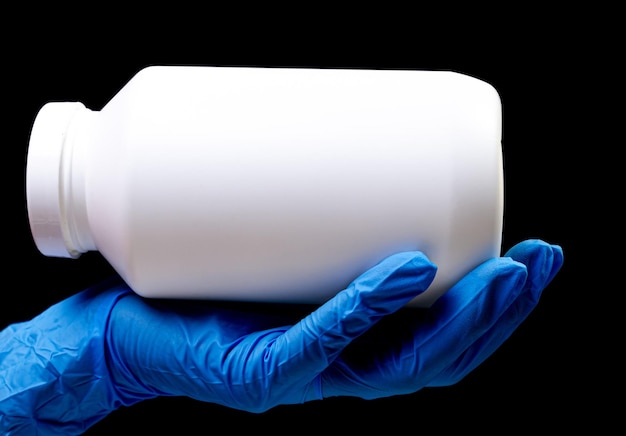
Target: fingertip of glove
[510,271]
[401,276]
[542,260]
[414,264]
[557,261]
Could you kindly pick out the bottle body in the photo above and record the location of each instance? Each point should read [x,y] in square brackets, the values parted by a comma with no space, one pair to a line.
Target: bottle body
[278,185]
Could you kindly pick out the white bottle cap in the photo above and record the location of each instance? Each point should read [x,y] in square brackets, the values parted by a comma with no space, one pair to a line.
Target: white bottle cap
[45,178]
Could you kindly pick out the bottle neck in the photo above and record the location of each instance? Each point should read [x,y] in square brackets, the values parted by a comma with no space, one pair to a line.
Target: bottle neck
[74,163]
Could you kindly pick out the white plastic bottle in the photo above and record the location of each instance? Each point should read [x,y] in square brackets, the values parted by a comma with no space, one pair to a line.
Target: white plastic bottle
[271,184]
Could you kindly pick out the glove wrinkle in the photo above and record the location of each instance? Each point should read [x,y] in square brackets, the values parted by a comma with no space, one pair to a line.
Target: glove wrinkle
[53,376]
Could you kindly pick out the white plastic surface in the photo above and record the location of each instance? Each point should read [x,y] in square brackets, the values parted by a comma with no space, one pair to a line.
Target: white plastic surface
[276,184]
[45,178]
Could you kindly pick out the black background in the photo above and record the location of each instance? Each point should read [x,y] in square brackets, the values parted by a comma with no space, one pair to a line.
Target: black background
[552,373]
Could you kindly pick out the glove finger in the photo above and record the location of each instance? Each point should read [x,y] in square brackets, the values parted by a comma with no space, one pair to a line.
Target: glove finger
[310,345]
[417,350]
[546,261]
[542,261]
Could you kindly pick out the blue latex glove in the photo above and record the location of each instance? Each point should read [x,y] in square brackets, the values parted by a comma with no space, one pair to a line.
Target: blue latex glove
[105,347]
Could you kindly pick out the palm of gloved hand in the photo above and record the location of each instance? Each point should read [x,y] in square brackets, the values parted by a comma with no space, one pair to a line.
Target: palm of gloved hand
[246,360]
[255,361]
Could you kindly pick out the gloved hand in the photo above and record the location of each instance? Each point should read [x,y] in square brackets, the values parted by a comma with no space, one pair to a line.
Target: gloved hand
[105,347]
